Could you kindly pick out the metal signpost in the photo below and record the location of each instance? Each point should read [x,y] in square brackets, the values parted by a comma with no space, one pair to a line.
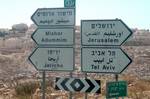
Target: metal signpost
[55,29]
[43,85]
[100,52]
[101,41]
[70,4]
[104,60]
[116,89]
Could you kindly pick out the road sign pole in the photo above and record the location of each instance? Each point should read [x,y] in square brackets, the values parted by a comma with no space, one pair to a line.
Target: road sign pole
[72,5]
[70,93]
[116,77]
[85,97]
[43,85]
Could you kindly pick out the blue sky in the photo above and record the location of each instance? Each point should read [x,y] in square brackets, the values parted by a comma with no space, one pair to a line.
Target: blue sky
[135,13]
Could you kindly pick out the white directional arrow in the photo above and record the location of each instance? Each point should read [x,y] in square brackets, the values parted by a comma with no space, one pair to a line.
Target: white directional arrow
[68,84]
[86,87]
[53,59]
[95,84]
[104,32]
[54,17]
[59,83]
[104,60]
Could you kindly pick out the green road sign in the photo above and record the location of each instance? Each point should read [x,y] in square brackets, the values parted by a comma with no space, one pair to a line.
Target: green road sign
[69,3]
[104,59]
[116,89]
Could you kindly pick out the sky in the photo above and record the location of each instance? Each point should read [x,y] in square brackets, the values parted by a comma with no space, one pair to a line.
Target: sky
[135,13]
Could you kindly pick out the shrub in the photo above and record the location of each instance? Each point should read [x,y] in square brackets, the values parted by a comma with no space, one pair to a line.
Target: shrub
[27,88]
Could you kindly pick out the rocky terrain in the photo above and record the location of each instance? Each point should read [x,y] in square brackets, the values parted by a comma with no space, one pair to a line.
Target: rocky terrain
[15,69]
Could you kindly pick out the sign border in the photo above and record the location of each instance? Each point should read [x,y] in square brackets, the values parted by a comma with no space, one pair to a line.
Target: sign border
[53,25]
[54,44]
[29,58]
[113,47]
[106,20]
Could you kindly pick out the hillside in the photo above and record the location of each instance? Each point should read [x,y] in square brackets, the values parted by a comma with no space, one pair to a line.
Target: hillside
[15,68]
